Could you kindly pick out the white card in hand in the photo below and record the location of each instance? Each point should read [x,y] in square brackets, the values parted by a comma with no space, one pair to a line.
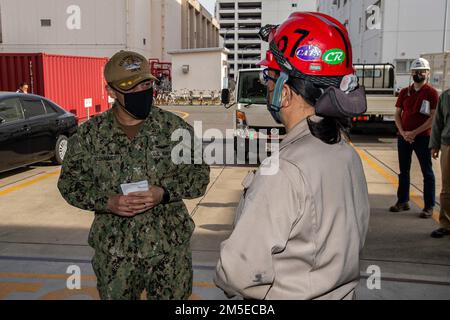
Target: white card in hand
[140,186]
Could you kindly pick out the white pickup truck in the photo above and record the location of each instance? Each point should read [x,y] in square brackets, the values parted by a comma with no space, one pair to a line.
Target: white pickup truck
[254,127]
[255,130]
[379,82]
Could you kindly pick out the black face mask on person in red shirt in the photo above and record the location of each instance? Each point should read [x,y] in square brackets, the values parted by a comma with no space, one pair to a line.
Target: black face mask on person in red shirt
[419,78]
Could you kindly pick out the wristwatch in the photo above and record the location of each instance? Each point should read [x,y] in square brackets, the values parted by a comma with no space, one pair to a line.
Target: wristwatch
[166,196]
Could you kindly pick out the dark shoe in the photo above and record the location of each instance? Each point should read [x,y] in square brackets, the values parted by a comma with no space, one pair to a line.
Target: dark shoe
[426,213]
[399,207]
[440,233]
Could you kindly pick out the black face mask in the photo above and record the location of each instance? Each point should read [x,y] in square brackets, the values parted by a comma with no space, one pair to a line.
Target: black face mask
[419,78]
[138,104]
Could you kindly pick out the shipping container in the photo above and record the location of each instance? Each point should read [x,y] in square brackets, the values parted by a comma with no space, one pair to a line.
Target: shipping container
[70,81]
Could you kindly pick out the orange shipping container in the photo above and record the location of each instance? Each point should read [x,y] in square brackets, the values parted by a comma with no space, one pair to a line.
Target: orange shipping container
[66,80]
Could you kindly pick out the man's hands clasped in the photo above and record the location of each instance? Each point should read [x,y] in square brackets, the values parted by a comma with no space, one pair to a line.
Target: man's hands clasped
[135,203]
[409,136]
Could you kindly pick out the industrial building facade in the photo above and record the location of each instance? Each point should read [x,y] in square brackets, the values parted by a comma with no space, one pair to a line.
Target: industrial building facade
[241,20]
[392,31]
[103,27]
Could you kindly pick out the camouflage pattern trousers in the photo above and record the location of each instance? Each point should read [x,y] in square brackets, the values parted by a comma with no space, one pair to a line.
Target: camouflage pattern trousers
[164,277]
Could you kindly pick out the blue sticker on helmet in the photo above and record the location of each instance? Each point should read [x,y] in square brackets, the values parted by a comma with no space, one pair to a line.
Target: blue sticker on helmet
[309,53]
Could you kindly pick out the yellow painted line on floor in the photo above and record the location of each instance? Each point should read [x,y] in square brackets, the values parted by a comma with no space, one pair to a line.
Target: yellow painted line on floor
[18,275]
[184,115]
[204,284]
[7,288]
[11,287]
[28,183]
[392,179]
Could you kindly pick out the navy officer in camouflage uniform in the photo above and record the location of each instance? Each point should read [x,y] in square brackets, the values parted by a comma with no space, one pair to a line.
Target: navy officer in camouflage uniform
[141,241]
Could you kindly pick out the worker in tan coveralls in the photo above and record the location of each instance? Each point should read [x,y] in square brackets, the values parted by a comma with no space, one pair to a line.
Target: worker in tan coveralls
[300,231]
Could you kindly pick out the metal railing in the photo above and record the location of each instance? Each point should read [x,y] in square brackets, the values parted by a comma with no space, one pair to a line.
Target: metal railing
[186,97]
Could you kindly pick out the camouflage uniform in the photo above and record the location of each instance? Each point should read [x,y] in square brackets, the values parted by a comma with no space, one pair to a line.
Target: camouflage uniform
[151,250]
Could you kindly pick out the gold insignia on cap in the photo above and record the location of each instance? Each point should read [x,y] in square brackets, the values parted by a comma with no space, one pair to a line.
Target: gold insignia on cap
[126,69]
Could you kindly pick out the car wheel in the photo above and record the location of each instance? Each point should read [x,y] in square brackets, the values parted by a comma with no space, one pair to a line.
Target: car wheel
[60,149]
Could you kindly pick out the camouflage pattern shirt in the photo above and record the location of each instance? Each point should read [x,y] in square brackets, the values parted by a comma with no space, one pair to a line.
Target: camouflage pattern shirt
[100,157]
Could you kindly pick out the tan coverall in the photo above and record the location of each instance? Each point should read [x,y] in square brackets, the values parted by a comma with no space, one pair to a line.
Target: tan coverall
[299,233]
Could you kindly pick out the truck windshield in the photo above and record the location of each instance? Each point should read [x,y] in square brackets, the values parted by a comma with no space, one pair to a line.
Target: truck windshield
[251,90]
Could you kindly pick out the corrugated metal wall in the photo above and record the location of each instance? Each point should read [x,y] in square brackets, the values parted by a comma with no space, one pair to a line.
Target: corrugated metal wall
[17,68]
[66,80]
[70,80]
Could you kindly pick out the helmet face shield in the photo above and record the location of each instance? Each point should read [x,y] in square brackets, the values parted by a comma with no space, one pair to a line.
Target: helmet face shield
[266,33]
[338,104]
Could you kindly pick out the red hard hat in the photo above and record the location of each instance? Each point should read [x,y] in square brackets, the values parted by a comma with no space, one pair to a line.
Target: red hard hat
[309,45]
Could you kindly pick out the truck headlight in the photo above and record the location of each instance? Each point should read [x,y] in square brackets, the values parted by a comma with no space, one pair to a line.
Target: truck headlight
[241,125]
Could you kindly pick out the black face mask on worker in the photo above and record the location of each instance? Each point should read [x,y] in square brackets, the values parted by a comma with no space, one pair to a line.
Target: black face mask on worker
[138,104]
[419,78]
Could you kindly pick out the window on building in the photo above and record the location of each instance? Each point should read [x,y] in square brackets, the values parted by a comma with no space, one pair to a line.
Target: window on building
[345,2]
[230,46]
[46,22]
[294,5]
[227,6]
[403,65]
[360,24]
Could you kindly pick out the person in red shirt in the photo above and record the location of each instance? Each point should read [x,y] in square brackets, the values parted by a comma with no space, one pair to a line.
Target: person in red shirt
[416,106]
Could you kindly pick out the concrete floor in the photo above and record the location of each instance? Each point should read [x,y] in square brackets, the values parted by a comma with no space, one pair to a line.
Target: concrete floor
[41,236]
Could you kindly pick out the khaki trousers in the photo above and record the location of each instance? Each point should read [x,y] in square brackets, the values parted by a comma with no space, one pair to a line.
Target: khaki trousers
[444,216]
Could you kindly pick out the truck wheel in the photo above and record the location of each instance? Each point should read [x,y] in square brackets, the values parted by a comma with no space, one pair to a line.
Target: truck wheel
[60,149]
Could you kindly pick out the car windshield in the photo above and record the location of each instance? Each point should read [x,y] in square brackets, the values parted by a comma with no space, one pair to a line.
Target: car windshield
[251,90]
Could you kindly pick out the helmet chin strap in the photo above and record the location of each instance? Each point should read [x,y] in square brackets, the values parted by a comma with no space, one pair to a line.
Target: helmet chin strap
[276,99]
